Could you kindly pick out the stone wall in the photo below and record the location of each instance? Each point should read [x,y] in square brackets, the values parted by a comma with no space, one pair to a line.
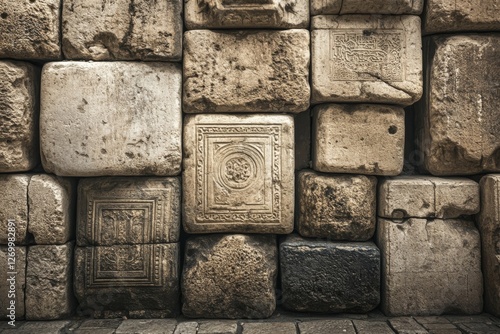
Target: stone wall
[222,158]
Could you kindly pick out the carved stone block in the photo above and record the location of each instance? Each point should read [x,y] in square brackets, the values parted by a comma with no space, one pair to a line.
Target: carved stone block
[238,173]
[14,207]
[427,196]
[337,207]
[458,116]
[430,267]
[114,211]
[122,30]
[358,139]
[325,276]
[18,115]
[89,129]
[230,276]
[342,7]
[246,71]
[366,58]
[12,282]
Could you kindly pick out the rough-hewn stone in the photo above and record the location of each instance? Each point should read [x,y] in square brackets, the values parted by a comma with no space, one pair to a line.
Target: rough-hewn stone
[230,276]
[397,7]
[358,139]
[18,270]
[147,326]
[325,276]
[327,326]
[269,327]
[238,173]
[337,207]
[430,267]
[186,327]
[246,71]
[122,30]
[14,207]
[111,118]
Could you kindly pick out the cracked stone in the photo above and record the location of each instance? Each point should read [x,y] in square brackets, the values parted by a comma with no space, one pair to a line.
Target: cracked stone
[342,7]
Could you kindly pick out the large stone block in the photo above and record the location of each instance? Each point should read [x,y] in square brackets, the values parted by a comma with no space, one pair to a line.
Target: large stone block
[358,139]
[325,276]
[458,116]
[12,282]
[238,173]
[230,276]
[427,197]
[115,211]
[342,7]
[49,282]
[246,71]
[111,118]
[337,207]
[18,115]
[430,267]
[122,29]
[366,58]
[14,208]
[30,29]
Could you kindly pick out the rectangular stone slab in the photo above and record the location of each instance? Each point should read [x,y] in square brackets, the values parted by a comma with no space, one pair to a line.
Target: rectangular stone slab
[342,7]
[17,269]
[14,207]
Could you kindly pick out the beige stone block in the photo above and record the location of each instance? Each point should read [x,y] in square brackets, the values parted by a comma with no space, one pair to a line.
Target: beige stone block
[14,207]
[366,58]
[430,267]
[358,139]
[458,118]
[342,7]
[111,118]
[30,29]
[122,30]
[337,207]
[18,115]
[427,196]
[13,264]
[246,71]
[238,174]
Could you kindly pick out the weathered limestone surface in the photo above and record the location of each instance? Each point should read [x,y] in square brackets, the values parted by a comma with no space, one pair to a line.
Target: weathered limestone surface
[358,139]
[459,121]
[122,29]
[145,326]
[238,174]
[230,276]
[246,71]
[327,326]
[430,267]
[18,115]
[269,327]
[14,206]
[324,276]
[30,29]
[398,7]
[427,196]
[19,267]
[366,58]
[337,207]
[111,118]
[49,282]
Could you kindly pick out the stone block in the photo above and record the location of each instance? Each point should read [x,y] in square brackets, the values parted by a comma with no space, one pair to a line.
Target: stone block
[12,290]
[14,208]
[325,276]
[372,327]
[366,58]
[118,210]
[128,280]
[147,326]
[246,71]
[122,30]
[427,197]
[458,121]
[342,7]
[218,327]
[230,276]
[358,139]
[49,282]
[337,207]
[18,115]
[30,29]
[269,327]
[430,267]
[335,326]
[111,118]
[238,174]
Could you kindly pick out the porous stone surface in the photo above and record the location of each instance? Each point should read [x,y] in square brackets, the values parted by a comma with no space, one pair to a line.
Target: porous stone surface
[238,174]
[246,71]
[147,326]
[218,327]
[430,267]
[341,326]
[111,118]
[395,7]
[458,118]
[336,207]
[119,210]
[30,29]
[366,58]
[358,139]
[14,207]
[10,269]
[230,276]
[49,282]
[269,327]
[427,196]
[122,30]
[326,276]
[18,115]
